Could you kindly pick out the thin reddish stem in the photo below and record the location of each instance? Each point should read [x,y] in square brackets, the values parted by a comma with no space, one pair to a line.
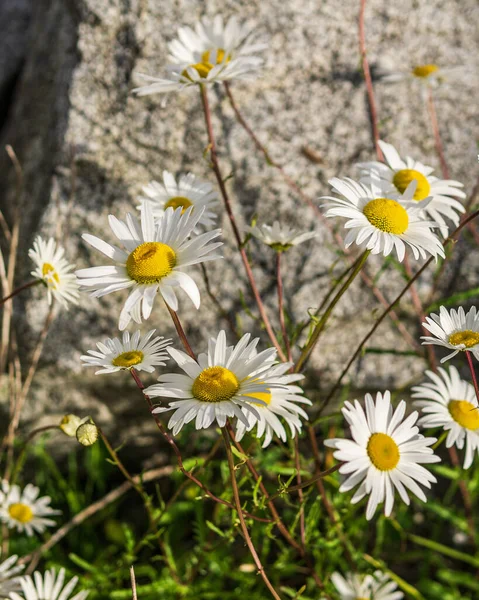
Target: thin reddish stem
[181,332]
[437,135]
[299,480]
[25,286]
[279,282]
[473,373]
[236,233]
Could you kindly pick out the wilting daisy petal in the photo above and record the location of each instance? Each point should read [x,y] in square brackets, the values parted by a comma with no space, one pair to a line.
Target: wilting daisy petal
[54,270]
[9,580]
[450,402]
[188,191]
[213,51]
[382,224]
[152,261]
[366,587]
[396,175]
[142,353]
[455,330]
[24,510]
[280,238]
[385,453]
[279,403]
[216,386]
[48,586]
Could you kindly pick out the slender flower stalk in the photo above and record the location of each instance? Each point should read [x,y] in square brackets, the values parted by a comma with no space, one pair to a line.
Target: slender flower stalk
[305,354]
[437,135]
[181,332]
[473,373]
[279,281]
[236,233]
[239,510]
[25,286]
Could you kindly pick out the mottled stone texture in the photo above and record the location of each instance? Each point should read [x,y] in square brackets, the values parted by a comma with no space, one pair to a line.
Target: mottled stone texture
[87,145]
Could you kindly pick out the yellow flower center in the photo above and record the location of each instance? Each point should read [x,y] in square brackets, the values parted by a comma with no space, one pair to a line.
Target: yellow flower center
[50,274]
[178,201]
[20,512]
[424,71]
[387,215]
[128,359]
[466,338]
[150,262]
[403,178]
[464,413]
[383,451]
[205,66]
[215,384]
[264,396]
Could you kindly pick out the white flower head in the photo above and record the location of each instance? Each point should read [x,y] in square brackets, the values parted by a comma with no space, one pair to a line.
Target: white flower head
[455,330]
[278,237]
[188,191]
[54,270]
[397,174]
[385,453]
[212,51]
[9,579]
[450,402]
[426,74]
[380,223]
[48,586]
[152,260]
[281,401]
[216,386]
[23,510]
[141,353]
[366,587]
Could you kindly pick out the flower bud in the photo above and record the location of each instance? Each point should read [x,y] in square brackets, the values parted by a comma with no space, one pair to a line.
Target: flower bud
[87,434]
[70,423]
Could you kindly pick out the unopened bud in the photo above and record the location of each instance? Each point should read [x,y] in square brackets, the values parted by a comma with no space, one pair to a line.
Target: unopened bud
[87,434]
[70,423]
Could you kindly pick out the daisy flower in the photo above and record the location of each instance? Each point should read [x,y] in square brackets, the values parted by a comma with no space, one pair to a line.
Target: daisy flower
[144,354]
[366,587]
[50,586]
[455,330]
[397,175]
[152,260]
[213,51]
[9,580]
[188,191]
[216,386]
[381,224]
[385,453]
[281,401]
[24,510]
[280,238]
[54,271]
[428,74]
[450,402]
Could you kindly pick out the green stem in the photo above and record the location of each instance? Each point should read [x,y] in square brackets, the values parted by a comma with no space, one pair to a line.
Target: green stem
[305,354]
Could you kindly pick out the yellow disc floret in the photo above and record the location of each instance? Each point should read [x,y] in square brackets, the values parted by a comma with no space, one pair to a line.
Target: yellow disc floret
[205,66]
[403,178]
[387,215]
[20,512]
[128,359]
[50,274]
[383,451]
[424,71]
[215,384]
[465,338]
[464,413]
[150,262]
[178,201]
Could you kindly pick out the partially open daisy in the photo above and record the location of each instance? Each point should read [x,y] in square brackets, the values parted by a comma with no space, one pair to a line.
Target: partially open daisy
[380,223]
[397,174]
[450,402]
[428,74]
[366,587]
[188,191]
[455,330]
[9,579]
[54,271]
[278,237]
[213,51]
[281,401]
[152,261]
[216,386]
[48,586]
[385,453]
[24,510]
[141,353]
